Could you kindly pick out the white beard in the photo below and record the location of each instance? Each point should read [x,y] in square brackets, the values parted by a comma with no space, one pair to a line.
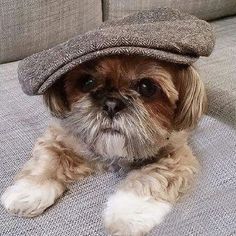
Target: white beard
[111,145]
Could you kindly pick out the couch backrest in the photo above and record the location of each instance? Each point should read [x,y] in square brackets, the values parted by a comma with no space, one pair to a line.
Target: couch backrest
[30,26]
[204,9]
[27,27]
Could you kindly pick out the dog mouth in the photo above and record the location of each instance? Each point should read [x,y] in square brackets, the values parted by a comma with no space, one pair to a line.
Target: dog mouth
[111,131]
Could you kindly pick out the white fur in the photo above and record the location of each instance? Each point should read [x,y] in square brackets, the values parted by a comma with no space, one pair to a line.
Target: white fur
[28,199]
[127,214]
[110,145]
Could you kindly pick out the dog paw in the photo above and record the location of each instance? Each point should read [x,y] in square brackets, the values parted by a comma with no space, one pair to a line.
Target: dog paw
[127,214]
[29,199]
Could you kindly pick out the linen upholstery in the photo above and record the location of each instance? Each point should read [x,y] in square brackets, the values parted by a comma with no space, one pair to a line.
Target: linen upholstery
[164,33]
[219,72]
[204,9]
[30,26]
[208,210]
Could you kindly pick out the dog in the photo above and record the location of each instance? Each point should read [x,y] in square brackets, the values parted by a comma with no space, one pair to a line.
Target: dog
[119,111]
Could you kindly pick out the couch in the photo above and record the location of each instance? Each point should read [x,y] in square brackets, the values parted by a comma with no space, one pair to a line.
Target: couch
[30,26]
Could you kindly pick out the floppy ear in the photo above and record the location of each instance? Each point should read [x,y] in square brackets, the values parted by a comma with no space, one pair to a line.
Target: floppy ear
[55,99]
[192,101]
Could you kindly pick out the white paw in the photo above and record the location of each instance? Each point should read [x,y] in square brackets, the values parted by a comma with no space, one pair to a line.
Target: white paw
[127,214]
[28,199]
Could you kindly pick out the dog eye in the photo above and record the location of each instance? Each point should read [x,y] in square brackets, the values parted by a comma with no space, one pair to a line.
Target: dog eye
[146,87]
[86,83]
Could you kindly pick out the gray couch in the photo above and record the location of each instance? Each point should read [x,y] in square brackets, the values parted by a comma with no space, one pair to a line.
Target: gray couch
[30,26]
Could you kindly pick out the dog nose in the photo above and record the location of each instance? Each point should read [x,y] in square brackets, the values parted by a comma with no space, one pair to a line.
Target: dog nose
[113,106]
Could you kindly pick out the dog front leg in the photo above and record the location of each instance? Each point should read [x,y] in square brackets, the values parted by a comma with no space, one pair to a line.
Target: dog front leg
[45,176]
[147,195]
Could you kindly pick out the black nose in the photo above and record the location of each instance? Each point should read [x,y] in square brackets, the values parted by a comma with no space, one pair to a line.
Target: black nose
[112,106]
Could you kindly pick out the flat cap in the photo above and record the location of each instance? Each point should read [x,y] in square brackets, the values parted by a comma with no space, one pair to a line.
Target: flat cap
[164,33]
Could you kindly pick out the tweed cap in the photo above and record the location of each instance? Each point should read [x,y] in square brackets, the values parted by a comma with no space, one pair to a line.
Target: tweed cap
[164,33]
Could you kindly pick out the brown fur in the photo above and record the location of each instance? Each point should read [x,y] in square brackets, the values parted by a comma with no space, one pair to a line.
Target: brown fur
[53,160]
[182,103]
[167,179]
[176,109]
[192,101]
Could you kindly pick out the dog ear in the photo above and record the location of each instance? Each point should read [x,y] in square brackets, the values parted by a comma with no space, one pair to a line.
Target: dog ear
[55,99]
[192,102]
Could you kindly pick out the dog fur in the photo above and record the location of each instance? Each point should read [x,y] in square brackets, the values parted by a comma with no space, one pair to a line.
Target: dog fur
[148,135]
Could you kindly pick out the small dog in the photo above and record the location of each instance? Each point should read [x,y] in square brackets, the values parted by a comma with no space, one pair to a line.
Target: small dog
[119,111]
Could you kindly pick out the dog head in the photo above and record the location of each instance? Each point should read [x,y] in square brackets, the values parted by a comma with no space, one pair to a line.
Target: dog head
[127,106]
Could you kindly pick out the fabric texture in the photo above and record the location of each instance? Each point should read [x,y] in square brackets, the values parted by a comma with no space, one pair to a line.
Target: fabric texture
[219,72]
[165,33]
[204,9]
[30,26]
[208,210]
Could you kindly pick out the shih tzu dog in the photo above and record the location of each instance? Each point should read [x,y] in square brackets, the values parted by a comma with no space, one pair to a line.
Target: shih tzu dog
[118,111]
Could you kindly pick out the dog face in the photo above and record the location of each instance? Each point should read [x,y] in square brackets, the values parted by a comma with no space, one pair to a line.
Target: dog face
[126,106]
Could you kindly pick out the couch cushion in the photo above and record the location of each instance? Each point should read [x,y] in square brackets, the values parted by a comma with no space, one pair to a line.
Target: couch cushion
[204,9]
[30,26]
[207,210]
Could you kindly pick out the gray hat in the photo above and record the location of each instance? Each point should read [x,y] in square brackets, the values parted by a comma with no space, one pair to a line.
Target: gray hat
[164,34]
